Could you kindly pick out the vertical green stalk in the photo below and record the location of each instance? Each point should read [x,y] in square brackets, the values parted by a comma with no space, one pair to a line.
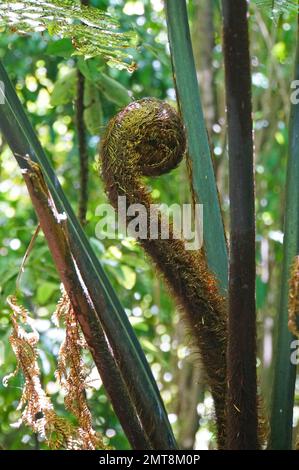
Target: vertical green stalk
[198,145]
[242,420]
[285,371]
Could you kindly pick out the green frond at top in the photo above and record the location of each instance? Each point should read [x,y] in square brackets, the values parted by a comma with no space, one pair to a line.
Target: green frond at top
[277,7]
[91,31]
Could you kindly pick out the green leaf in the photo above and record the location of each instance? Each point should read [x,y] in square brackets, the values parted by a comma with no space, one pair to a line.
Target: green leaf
[90,68]
[64,89]
[149,346]
[125,276]
[276,7]
[91,31]
[129,277]
[93,112]
[112,90]
[261,293]
[97,246]
[62,48]
[139,324]
[45,292]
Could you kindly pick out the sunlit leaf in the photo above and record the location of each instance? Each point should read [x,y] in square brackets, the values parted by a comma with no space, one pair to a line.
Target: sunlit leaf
[112,90]
[149,346]
[64,89]
[62,48]
[125,276]
[45,291]
[93,112]
[91,31]
[129,277]
[277,7]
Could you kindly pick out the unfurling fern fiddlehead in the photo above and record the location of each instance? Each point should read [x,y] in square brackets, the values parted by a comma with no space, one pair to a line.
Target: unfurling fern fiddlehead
[147,138]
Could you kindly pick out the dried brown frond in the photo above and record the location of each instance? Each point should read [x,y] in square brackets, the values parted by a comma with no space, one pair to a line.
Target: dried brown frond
[294,298]
[38,412]
[72,374]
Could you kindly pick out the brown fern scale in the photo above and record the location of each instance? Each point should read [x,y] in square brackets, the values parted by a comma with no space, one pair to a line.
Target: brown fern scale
[147,138]
[293,323]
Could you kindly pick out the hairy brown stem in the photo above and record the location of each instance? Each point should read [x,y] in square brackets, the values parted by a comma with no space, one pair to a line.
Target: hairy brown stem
[147,138]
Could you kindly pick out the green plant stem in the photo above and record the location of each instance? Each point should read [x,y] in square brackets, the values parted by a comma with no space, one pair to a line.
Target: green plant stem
[242,419]
[204,184]
[284,371]
[127,351]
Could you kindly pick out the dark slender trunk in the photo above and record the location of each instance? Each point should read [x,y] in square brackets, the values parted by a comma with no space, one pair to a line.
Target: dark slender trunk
[82,144]
[242,420]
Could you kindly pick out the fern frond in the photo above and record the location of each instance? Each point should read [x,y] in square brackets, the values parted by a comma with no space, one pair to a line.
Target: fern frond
[71,374]
[37,409]
[91,31]
[278,7]
[36,406]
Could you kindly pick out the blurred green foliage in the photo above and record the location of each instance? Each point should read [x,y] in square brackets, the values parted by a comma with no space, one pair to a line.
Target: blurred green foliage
[43,73]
